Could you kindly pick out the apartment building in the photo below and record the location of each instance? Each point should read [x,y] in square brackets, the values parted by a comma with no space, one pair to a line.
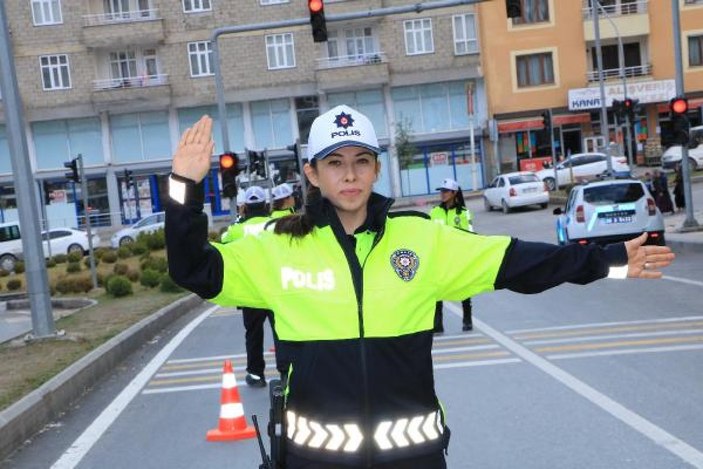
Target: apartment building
[117,81]
[546,59]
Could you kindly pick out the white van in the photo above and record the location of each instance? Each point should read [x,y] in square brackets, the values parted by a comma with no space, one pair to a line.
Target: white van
[10,245]
[672,155]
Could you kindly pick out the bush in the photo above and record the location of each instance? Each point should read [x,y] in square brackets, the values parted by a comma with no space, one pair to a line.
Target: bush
[154,241]
[133,275]
[60,258]
[158,264]
[98,252]
[110,257]
[150,278]
[123,252]
[104,279]
[14,284]
[139,248]
[4,273]
[50,263]
[19,267]
[66,285]
[119,286]
[120,269]
[73,267]
[75,256]
[168,285]
[86,262]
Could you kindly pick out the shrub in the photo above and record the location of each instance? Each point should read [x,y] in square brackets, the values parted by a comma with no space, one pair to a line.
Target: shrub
[133,275]
[123,252]
[158,264]
[98,252]
[60,258]
[119,286]
[86,262]
[4,273]
[139,248]
[120,269]
[83,284]
[110,257]
[75,256]
[73,267]
[150,278]
[66,285]
[168,285]
[154,241]
[50,263]
[14,284]
[19,267]
[103,279]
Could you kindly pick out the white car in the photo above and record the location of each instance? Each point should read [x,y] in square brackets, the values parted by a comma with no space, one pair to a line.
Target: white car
[582,167]
[518,189]
[672,156]
[148,224]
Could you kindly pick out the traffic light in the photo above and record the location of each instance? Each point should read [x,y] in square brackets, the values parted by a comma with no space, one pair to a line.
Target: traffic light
[293,148]
[547,121]
[678,112]
[629,108]
[127,178]
[228,172]
[513,8]
[257,163]
[317,20]
[73,174]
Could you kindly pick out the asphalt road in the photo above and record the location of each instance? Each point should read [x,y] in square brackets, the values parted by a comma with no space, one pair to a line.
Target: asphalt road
[607,375]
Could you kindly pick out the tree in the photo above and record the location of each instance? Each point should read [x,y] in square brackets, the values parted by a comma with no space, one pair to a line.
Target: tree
[404,147]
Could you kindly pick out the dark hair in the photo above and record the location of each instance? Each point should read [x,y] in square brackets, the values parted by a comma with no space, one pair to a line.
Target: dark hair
[278,204]
[459,203]
[300,224]
[257,209]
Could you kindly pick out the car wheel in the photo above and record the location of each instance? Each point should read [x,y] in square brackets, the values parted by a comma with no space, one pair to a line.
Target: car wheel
[544,205]
[550,183]
[125,241]
[8,262]
[692,164]
[505,207]
[487,205]
[75,248]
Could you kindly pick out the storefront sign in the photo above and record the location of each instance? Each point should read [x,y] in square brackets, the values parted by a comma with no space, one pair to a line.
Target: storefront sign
[439,158]
[646,91]
[58,197]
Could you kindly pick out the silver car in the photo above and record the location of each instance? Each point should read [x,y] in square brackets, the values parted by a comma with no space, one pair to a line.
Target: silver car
[148,224]
[609,211]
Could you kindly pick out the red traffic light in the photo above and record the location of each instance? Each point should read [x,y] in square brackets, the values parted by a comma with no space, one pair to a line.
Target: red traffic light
[627,103]
[678,105]
[227,161]
[315,6]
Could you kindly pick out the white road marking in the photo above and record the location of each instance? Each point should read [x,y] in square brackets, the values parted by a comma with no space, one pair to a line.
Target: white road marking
[77,451]
[182,388]
[501,361]
[602,353]
[605,324]
[638,423]
[683,280]
[586,338]
[213,358]
[463,349]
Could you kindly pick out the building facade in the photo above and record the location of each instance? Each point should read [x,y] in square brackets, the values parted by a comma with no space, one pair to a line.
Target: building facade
[546,59]
[117,81]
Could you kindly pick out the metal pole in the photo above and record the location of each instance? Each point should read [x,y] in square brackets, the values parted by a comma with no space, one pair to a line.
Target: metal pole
[554,151]
[42,206]
[84,190]
[35,267]
[603,105]
[690,221]
[470,97]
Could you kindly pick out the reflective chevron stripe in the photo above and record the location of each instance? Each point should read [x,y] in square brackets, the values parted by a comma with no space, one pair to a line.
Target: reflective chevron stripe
[389,434]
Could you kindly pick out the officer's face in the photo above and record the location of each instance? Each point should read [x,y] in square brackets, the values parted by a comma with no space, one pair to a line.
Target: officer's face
[447,195]
[346,177]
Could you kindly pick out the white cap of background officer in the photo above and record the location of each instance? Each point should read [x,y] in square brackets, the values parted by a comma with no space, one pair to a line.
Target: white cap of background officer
[340,127]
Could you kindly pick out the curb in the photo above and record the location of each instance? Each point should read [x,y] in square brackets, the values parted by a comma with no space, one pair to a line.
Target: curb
[29,415]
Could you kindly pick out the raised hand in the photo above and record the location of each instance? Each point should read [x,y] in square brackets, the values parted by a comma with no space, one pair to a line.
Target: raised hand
[645,261]
[192,158]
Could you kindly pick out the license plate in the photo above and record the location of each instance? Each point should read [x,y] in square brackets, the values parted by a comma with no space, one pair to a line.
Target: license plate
[611,220]
[529,189]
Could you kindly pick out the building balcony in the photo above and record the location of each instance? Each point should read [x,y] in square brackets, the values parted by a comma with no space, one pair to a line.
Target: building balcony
[343,71]
[631,18]
[614,73]
[122,29]
[129,92]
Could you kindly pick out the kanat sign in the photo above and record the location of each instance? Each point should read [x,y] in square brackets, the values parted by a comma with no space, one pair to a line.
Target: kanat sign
[646,91]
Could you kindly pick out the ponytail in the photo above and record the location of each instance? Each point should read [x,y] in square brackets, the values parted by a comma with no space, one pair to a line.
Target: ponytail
[298,225]
[459,201]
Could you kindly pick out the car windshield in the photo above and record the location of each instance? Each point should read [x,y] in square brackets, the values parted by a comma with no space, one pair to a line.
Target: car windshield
[523,178]
[613,194]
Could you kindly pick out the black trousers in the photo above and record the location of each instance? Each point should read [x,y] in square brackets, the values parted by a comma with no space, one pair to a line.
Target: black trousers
[467,319]
[433,461]
[254,320]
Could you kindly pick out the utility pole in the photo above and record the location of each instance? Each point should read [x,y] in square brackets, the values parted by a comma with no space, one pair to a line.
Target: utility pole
[603,106]
[35,271]
[84,190]
[690,223]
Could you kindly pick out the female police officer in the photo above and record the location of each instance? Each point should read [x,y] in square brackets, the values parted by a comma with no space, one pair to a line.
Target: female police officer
[355,286]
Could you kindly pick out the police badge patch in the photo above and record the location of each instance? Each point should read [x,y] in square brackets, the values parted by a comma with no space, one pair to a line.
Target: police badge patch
[405,263]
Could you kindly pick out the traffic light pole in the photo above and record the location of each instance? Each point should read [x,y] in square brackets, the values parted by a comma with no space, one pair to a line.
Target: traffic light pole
[35,267]
[601,84]
[690,222]
[84,190]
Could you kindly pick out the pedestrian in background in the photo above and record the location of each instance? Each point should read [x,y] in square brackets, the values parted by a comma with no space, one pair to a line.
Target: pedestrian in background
[283,201]
[662,198]
[355,285]
[679,197]
[452,212]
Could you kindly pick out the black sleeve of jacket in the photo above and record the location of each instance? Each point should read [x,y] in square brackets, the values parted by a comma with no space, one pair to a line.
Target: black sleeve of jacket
[530,267]
[192,262]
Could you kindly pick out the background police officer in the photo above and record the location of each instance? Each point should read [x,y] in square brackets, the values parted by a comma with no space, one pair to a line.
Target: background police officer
[283,201]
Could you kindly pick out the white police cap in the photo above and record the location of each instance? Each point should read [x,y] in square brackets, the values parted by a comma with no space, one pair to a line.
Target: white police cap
[340,127]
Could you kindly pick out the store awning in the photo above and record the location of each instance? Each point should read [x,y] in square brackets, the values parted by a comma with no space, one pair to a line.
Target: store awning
[692,104]
[521,125]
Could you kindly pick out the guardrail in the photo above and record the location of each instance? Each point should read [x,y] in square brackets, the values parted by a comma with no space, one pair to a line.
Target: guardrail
[130,82]
[121,17]
[617,9]
[351,60]
[614,73]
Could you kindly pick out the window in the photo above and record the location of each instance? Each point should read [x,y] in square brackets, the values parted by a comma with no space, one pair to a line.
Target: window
[280,51]
[369,102]
[306,109]
[140,136]
[195,6]
[465,41]
[9,233]
[54,72]
[60,140]
[533,11]
[46,12]
[418,37]
[433,107]
[123,64]
[695,51]
[200,54]
[271,123]
[534,69]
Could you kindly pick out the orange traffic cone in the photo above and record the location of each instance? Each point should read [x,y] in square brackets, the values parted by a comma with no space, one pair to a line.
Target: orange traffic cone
[233,424]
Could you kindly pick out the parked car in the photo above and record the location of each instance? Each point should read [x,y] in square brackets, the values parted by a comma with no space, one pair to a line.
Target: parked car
[148,224]
[605,212]
[63,241]
[672,156]
[517,189]
[582,167]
